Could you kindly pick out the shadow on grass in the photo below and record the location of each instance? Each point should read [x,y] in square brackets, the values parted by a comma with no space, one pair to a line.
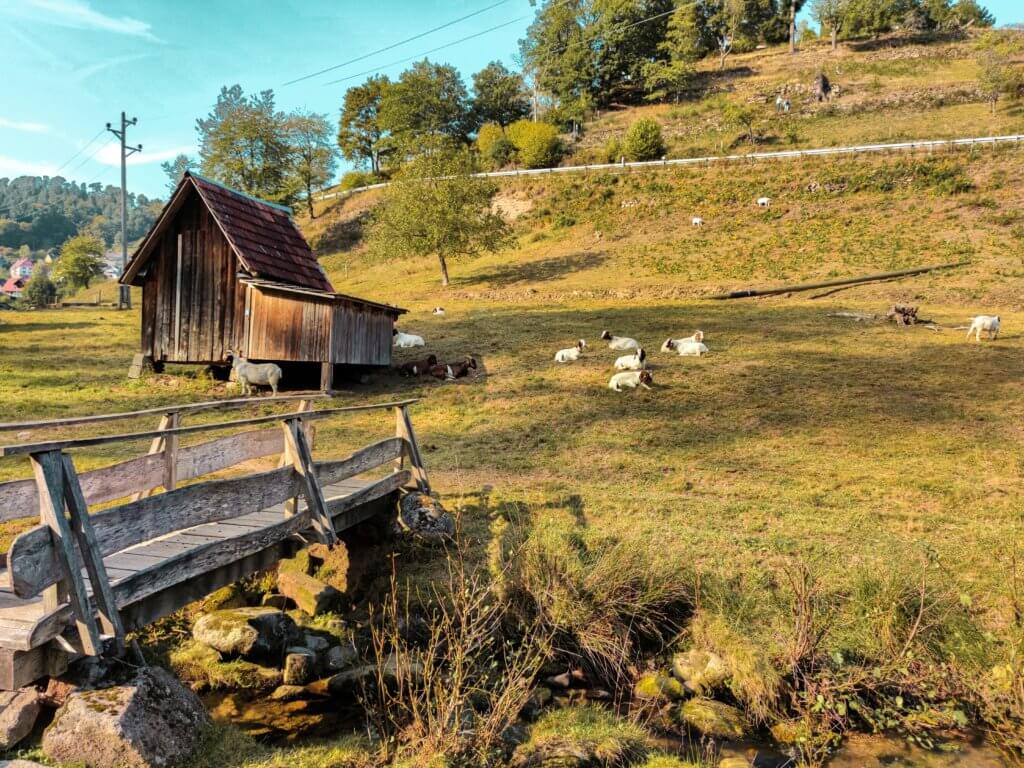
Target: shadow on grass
[28,327]
[535,271]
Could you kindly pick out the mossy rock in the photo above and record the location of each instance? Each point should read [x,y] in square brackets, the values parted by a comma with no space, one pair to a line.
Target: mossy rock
[713,718]
[248,632]
[200,664]
[655,686]
[301,563]
[788,731]
[228,597]
[582,737]
[700,671]
[666,761]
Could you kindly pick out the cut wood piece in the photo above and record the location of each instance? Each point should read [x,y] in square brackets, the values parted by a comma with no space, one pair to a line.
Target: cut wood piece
[304,466]
[370,457]
[310,595]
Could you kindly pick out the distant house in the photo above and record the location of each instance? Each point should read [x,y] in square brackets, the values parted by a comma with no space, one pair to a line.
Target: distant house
[13,287]
[22,268]
[221,271]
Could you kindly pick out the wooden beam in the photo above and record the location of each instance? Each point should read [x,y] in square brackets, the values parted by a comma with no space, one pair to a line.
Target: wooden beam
[13,450]
[81,527]
[49,470]
[419,471]
[303,465]
[171,453]
[157,447]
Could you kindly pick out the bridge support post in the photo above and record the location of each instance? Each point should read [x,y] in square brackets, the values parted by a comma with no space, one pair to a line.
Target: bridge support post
[298,447]
[404,430]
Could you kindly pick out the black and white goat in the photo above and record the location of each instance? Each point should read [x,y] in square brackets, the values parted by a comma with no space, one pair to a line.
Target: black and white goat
[622,343]
[571,354]
[631,379]
[635,362]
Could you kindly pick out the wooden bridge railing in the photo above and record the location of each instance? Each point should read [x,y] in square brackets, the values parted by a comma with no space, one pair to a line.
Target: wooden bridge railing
[55,558]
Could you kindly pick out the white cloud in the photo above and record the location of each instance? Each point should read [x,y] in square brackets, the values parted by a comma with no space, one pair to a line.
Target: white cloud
[111,155]
[12,167]
[77,14]
[27,127]
[79,76]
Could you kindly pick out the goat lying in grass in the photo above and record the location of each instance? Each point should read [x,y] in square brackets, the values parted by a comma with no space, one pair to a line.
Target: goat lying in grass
[622,343]
[438,311]
[571,354]
[406,340]
[987,323]
[631,379]
[249,374]
[697,221]
[691,346]
[635,362]
[418,367]
[453,371]
[764,202]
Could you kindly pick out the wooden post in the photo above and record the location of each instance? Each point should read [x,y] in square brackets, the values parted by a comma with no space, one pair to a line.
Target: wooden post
[405,431]
[48,468]
[326,377]
[303,464]
[287,457]
[171,453]
[81,527]
[400,432]
[157,446]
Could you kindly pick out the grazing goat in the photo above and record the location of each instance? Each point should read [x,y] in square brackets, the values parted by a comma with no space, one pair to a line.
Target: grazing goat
[453,371]
[439,310]
[764,202]
[697,221]
[406,340]
[987,323]
[691,346]
[571,354]
[622,343]
[418,367]
[635,362]
[631,379]
[249,374]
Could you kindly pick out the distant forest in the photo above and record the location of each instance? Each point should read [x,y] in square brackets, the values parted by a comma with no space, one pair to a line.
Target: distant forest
[43,212]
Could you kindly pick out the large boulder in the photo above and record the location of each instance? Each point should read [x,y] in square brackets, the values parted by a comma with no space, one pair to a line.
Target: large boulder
[700,671]
[424,517]
[309,594]
[299,666]
[713,718]
[18,713]
[149,722]
[249,632]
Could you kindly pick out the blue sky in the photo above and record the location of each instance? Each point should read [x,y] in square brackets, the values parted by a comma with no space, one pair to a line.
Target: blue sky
[70,66]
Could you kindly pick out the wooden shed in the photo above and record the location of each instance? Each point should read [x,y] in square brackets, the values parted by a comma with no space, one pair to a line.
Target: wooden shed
[221,271]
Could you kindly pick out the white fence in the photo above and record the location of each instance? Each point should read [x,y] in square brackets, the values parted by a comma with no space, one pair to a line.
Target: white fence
[906,146]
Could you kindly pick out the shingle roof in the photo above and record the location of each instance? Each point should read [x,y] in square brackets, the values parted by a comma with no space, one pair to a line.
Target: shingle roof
[263,236]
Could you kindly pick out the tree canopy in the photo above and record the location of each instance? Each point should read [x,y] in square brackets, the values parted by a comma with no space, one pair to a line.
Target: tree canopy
[499,96]
[81,261]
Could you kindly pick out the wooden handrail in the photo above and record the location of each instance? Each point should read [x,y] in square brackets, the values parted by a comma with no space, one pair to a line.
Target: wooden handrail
[60,445]
[239,402]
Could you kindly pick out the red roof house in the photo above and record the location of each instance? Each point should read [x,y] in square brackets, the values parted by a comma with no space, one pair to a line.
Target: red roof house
[13,287]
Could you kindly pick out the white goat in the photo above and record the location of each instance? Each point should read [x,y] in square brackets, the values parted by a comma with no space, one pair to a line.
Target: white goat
[987,323]
[691,346]
[438,311]
[622,343]
[764,202]
[631,379]
[571,354]
[697,221]
[406,340]
[635,362]
[249,374]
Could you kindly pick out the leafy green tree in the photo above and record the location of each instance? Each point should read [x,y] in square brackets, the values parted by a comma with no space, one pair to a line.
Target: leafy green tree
[494,146]
[685,42]
[81,261]
[39,290]
[971,12]
[435,207]
[558,53]
[831,15]
[244,143]
[997,76]
[735,25]
[499,96]
[643,140]
[794,7]
[359,130]
[625,35]
[874,17]
[314,156]
[741,116]
[537,144]
[427,100]
[175,170]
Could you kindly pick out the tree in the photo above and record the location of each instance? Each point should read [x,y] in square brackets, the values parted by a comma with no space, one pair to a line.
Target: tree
[494,146]
[735,24]
[643,140]
[873,17]
[741,116]
[359,130]
[427,100]
[40,290]
[436,207]
[499,96]
[794,9]
[537,144]
[243,143]
[314,158]
[997,76]
[625,35]
[685,42]
[557,52]
[81,261]
[175,170]
[970,12]
[830,14]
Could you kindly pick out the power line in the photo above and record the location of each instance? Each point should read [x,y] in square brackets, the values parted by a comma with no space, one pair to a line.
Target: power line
[85,147]
[99,149]
[396,45]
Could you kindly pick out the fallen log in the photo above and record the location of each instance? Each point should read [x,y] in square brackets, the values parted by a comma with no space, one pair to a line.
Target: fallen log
[830,283]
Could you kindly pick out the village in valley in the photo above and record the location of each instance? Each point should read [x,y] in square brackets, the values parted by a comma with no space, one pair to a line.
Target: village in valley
[555,384]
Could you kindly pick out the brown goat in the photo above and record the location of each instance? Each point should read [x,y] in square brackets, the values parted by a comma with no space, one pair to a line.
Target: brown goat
[452,371]
[418,367]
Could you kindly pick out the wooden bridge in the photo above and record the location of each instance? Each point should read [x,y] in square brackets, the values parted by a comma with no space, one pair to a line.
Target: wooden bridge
[76,582]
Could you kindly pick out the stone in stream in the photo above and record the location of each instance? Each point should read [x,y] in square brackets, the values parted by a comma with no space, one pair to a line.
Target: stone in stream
[700,671]
[311,595]
[149,722]
[713,718]
[299,666]
[655,685]
[424,517]
[18,713]
[248,632]
[341,657]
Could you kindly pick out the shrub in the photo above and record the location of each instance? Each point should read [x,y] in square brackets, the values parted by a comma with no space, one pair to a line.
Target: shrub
[596,734]
[643,140]
[494,146]
[40,290]
[537,144]
[612,150]
[356,179]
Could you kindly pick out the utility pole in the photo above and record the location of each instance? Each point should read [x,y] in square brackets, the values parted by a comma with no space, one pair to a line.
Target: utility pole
[125,298]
